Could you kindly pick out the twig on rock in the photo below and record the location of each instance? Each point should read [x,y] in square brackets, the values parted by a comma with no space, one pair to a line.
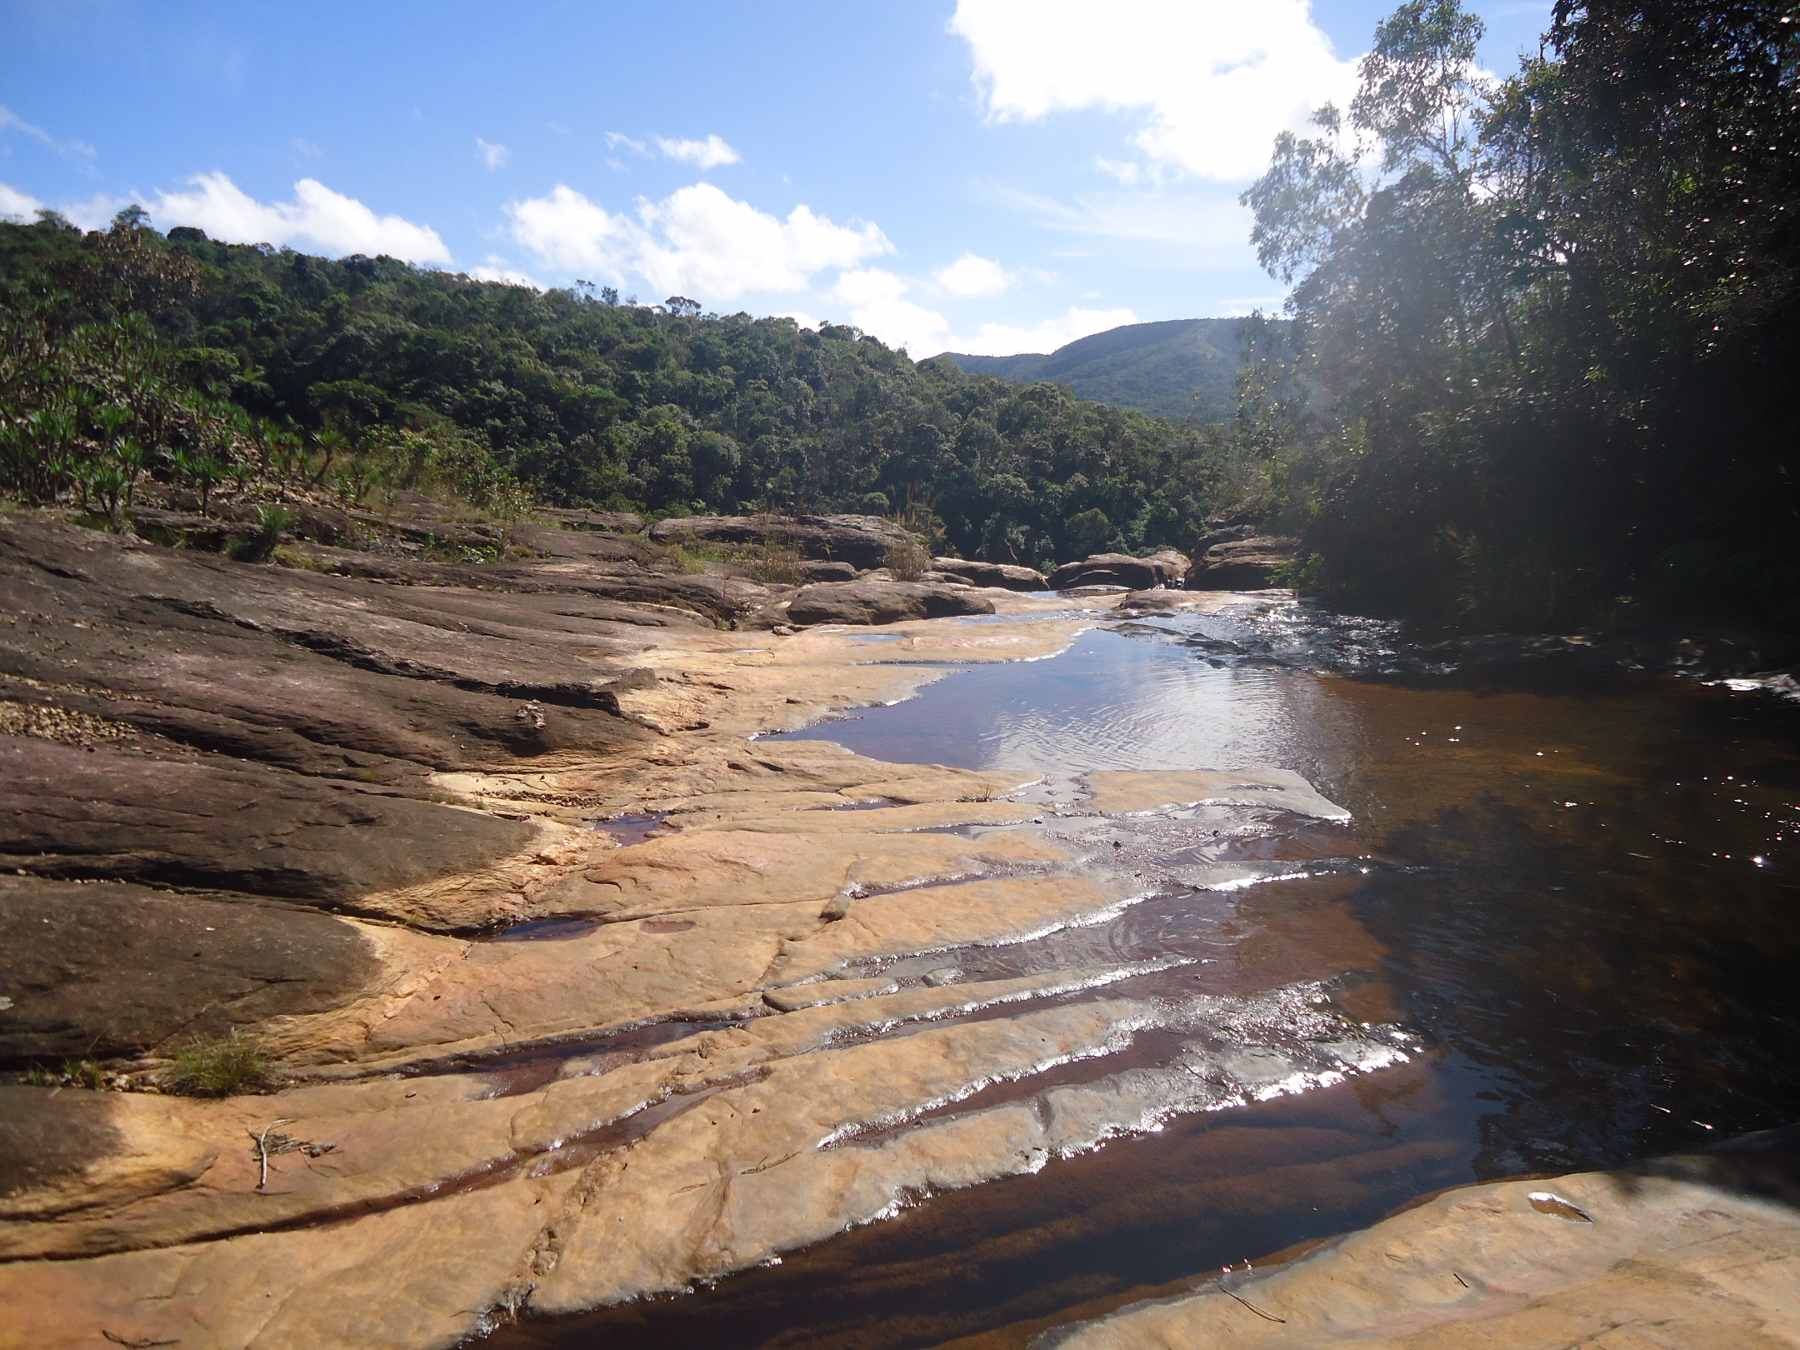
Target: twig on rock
[138,1343]
[1224,1289]
[262,1149]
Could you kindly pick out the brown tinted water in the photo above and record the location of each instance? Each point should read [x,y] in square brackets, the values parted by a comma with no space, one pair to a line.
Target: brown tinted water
[1579,898]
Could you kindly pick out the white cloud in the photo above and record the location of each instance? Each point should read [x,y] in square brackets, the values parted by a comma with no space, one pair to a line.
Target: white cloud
[698,241]
[1125,171]
[11,121]
[496,268]
[305,149]
[711,153]
[1203,223]
[974,277]
[16,205]
[1246,305]
[316,217]
[618,140]
[1214,83]
[96,212]
[570,233]
[1005,339]
[877,303]
[491,154]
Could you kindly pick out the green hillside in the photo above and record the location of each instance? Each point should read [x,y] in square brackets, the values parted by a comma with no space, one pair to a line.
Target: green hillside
[126,352]
[1179,368]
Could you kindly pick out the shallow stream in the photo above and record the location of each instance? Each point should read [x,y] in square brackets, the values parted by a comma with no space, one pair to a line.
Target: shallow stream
[1573,899]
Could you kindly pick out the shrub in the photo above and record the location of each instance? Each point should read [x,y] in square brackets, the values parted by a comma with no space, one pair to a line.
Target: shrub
[908,562]
[260,547]
[218,1068]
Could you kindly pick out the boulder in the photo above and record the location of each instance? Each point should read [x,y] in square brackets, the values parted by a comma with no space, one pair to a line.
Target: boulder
[877,602]
[938,578]
[1120,569]
[1246,564]
[827,571]
[1006,576]
[862,541]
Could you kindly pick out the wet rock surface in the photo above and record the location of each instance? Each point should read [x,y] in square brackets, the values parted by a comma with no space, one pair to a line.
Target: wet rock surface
[1696,1250]
[753,991]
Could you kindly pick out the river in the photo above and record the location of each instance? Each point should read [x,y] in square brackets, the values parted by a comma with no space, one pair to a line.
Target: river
[1572,897]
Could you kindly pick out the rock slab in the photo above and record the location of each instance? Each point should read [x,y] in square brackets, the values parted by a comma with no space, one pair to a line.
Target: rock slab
[861,541]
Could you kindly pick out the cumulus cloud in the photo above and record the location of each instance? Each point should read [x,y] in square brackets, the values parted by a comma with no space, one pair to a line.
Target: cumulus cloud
[711,153]
[491,154]
[877,302]
[698,241]
[568,232]
[1046,335]
[1213,84]
[16,205]
[973,277]
[496,268]
[315,217]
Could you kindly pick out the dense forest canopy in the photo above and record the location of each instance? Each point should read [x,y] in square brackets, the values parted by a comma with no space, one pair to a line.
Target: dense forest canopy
[1178,368]
[569,393]
[1535,369]
[1547,327]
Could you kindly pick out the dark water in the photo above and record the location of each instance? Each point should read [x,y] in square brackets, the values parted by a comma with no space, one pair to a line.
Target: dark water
[1580,899]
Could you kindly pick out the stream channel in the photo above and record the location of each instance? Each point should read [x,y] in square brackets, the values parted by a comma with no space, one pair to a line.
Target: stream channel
[1568,899]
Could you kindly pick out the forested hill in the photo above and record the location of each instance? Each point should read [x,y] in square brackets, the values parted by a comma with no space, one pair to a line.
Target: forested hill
[1179,368]
[223,351]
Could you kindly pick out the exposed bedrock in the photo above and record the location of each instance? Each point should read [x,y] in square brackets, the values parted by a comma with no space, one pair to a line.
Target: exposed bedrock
[1163,568]
[1248,563]
[872,601]
[1688,1251]
[576,991]
[1005,576]
[862,541]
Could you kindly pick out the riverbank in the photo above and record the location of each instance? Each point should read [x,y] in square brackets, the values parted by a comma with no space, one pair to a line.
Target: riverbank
[582,994]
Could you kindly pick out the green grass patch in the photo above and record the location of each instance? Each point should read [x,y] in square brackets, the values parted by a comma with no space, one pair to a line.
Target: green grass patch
[221,1067]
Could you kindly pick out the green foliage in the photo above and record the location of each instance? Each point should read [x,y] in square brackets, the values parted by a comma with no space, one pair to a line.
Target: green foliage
[1179,368]
[271,521]
[366,377]
[220,1067]
[1540,363]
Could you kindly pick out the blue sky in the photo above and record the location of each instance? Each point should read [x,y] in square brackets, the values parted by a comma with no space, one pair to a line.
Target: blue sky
[979,175]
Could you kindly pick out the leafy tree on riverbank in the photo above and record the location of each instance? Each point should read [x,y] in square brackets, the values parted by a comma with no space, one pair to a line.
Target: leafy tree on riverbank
[358,371]
[1548,328]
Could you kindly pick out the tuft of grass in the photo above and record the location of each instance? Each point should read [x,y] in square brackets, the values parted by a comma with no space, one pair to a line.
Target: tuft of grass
[83,1073]
[221,1067]
[908,562]
[768,562]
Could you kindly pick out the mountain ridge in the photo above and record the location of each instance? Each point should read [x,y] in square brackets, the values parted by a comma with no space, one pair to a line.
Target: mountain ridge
[1178,368]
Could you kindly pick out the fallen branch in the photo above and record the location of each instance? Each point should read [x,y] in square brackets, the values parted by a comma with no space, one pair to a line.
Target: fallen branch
[1266,1316]
[139,1343]
[1224,1289]
[262,1149]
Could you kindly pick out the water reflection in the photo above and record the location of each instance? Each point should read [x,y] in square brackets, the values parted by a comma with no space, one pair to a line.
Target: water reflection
[1584,902]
